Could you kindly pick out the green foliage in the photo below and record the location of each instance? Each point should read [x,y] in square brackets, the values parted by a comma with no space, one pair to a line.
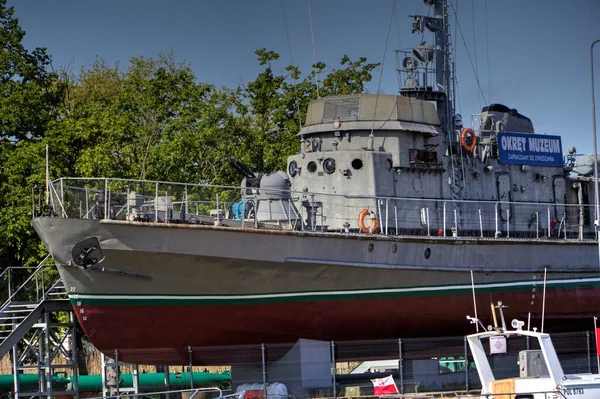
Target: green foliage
[19,174]
[275,105]
[26,93]
[152,121]
[349,80]
[29,100]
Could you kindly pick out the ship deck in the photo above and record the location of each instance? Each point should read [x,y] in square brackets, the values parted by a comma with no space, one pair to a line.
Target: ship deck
[184,204]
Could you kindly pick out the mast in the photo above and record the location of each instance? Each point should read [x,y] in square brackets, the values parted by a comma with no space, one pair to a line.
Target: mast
[443,75]
[425,72]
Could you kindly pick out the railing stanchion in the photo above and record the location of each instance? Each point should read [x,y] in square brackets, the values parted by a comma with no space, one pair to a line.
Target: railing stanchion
[497,232]
[128,192]
[156,204]
[105,198]
[549,223]
[387,202]
[455,223]
[255,211]
[444,218]
[52,204]
[9,282]
[289,212]
[43,285]
[186,203]
[379,214]
[62,192]
[167,203]
[87,203]
[37,286]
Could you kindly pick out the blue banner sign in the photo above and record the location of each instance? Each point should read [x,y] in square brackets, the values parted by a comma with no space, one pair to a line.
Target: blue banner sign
[529,149]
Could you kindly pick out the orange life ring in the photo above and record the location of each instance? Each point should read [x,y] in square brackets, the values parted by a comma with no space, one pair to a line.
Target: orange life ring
[466,132]
[361,222]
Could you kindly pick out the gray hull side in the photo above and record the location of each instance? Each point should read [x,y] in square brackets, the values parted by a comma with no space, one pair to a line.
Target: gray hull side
[198,260]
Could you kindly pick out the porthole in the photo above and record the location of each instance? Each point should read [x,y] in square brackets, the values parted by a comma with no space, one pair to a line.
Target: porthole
[357,163]
[329,165]
[427,253]
[394,248]
[370,247]
[293,168]
[312,166]
[388,164]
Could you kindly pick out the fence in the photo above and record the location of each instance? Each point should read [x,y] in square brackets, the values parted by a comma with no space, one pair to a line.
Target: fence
[311,368]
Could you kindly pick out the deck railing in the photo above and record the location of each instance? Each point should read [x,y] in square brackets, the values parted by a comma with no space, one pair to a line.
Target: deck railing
[168,202]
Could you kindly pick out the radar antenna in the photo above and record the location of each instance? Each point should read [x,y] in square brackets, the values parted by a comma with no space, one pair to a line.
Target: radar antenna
[425,71]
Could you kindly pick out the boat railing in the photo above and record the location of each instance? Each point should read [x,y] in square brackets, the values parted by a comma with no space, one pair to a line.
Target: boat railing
[31,283]
[509,395]
[414,75]
[169,202]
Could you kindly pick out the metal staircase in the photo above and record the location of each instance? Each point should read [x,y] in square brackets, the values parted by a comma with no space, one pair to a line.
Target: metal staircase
[29,329]
[41,291]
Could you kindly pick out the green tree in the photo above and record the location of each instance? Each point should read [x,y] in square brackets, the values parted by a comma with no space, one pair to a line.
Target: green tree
[273,106]
[264,132]
[27,98]
[195,147]
[350,79]
[152,120]
[30,97]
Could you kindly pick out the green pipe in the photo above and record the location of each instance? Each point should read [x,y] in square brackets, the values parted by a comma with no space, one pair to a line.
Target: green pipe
[155,380]
[27,382]
[93,383]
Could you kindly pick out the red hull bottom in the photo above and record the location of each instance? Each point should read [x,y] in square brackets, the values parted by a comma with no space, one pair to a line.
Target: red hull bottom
[165,334]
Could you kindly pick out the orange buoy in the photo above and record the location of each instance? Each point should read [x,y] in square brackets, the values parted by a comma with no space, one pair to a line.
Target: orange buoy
[468,134]
[361,222]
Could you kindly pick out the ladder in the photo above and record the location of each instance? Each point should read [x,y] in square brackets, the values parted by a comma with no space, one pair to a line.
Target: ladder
[27,328]
[27,303]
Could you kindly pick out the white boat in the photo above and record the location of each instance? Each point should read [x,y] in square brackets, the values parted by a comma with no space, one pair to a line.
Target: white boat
[541,375]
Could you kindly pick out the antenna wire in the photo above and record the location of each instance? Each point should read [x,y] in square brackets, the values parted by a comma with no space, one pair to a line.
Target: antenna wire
[312,38]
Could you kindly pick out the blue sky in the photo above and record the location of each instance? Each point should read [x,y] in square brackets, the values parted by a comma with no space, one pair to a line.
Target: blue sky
[537,52]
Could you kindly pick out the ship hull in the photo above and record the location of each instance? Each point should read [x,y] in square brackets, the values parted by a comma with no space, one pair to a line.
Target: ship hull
[162,289]
[165,334]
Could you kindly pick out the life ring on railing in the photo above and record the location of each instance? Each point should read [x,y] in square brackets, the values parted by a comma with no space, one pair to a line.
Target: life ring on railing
[361,222]
[468,134]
